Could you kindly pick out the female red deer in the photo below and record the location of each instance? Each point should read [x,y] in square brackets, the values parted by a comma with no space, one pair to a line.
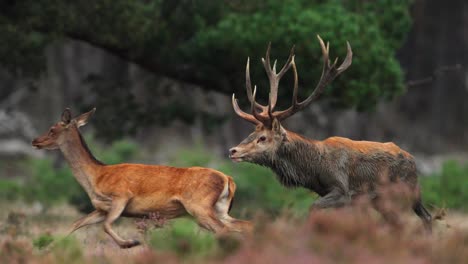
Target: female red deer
[136,190]
[338,169]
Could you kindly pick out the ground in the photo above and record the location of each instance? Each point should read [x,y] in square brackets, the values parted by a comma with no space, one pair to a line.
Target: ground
[285,238]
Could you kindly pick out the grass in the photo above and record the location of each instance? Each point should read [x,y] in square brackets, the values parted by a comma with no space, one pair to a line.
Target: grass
[284,231]
[448,188]
[350,235]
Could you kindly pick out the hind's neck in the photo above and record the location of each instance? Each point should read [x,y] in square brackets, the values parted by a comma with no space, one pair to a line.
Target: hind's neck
[84,166]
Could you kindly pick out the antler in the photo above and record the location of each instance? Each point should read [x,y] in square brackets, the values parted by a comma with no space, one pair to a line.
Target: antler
[265,112]
[267,115]
[329,73]
[255,118]
[274,77]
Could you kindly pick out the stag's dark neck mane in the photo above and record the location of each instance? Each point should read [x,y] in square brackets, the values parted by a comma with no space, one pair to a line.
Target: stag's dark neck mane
[295,162]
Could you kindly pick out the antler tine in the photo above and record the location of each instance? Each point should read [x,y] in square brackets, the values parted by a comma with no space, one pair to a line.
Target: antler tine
[248,86]
[325,50]
[287,65]
[329,73]
[270,113]
[255,114]
[266,61]
[274,77]
[243,114]
[348,60]
[296,80]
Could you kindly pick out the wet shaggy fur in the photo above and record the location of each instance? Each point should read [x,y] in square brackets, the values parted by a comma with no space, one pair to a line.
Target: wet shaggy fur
[340,169]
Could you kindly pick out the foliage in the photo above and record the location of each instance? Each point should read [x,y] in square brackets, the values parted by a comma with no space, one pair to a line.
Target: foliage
[207,42]
[23,47]
[42,241]
[449,188]
[348,235]
[9,190]
[183,237]
[50,184]
[256,186]
[375,72]
[67,250]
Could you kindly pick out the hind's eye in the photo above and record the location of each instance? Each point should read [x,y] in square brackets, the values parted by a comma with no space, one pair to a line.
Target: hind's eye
[261,139]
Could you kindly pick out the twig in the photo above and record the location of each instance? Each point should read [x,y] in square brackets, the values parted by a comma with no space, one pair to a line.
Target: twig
[436,74]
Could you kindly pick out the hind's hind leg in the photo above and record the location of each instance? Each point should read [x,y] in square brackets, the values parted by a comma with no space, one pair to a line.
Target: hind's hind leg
[222,208]
[208,219]
[425,216]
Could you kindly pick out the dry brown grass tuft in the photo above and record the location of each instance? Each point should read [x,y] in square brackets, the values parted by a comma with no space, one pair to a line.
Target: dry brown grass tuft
[354,234]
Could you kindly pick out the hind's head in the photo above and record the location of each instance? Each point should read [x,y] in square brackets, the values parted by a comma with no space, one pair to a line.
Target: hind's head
[59,132]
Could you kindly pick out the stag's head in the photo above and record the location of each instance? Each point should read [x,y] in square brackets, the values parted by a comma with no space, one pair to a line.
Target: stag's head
[60,131]
[269,134]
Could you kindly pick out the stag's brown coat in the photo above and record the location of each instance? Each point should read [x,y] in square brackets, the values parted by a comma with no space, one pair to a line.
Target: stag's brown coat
[136,190]
[338,169]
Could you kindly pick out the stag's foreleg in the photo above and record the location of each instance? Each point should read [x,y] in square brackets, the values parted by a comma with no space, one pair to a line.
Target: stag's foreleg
[95,217]
[116,209]
[384,207]
[334,199]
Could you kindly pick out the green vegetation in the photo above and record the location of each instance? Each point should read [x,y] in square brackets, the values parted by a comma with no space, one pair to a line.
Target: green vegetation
[448,188]
[51,184]
[43,241]
[257,187]
[67,250]
[331,236]
[184,238]
[9,190]
[278,213]
[206,43]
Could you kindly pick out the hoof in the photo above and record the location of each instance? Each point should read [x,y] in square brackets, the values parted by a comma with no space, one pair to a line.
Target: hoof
[130,244]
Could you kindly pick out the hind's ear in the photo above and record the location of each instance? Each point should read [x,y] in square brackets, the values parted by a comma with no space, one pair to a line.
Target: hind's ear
[82,119]
[66,116]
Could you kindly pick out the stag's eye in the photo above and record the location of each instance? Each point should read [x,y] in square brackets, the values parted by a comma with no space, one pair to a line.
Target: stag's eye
[52,132]
[261,139]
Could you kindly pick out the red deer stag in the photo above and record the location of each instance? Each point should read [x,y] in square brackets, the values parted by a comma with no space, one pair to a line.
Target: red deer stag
[338,169]
[136,190]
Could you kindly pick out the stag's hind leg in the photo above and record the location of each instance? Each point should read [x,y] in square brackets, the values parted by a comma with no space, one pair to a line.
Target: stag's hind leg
[425,216]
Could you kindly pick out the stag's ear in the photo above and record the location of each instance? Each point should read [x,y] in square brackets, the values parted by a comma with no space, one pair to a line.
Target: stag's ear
[276,126]
[66,116]
[82,119]
[278,129]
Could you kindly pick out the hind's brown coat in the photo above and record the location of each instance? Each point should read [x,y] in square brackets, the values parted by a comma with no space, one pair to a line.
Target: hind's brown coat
[137,190]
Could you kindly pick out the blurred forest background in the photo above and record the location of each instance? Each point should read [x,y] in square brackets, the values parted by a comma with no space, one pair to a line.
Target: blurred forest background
[161,74]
